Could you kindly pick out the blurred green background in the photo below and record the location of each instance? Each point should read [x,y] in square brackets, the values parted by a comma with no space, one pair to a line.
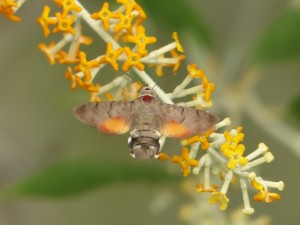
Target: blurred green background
[58,171]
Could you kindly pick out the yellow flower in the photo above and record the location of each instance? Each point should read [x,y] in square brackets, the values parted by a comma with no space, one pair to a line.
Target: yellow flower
[66,58]
[193,72]
[184,161]
[178,44]
[219,197]
[64,23]
[48,50]
[141,40]
[85,66]
[208,88]
[6,9]
[133,59]
[104,15]
[266,196]
[8,3]
[159,67]
[180,58]
[76,80]
[232,142]
[263,194]
[85,40]
[131,92]
[109,97]
[203,139]
[129,4]
[69,75]
[44,20]
[257,185]
[236,157]
[67,6]
[94,97]
[89,86]
[63,58]
[124,23]
[212,188]
[141,16]
[111,56]
[163,156]
[233,150]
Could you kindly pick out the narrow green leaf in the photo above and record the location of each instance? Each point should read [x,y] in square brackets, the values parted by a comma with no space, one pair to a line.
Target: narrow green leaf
[176,15]
[281,41]
[70,178]
[295,108]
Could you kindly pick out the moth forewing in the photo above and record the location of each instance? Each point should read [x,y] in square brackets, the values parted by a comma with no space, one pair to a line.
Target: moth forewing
[108,117]
[183,122]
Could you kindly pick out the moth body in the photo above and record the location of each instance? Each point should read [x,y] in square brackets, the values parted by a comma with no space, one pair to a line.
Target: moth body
[147,119]
[145,126]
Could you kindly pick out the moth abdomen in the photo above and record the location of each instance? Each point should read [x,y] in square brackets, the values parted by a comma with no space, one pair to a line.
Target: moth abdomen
[144,147]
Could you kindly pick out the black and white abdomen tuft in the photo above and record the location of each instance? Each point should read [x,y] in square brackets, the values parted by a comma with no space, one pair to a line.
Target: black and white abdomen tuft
[144,147]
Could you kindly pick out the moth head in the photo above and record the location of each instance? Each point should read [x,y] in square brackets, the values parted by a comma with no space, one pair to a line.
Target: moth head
[147,91]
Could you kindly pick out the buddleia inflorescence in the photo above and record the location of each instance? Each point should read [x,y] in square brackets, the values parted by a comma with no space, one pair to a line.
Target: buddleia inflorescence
[128,46]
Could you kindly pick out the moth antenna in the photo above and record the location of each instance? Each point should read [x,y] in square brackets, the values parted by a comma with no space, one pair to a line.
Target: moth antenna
[137,81]
[165,78]
[140,84]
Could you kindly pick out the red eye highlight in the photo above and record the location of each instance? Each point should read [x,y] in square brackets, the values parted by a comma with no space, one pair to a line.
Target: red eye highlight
[147,98]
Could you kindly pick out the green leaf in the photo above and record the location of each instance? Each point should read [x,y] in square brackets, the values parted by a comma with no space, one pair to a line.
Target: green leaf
[281,41]
[295,108]
[176,15]
[69,178]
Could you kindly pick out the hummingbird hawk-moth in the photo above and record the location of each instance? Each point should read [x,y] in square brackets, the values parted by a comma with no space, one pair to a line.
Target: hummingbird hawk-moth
[147,119]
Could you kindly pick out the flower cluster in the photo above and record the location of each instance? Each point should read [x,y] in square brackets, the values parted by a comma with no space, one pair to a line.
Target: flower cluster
[122,25]
[127,46]
[196,211]
[225,157]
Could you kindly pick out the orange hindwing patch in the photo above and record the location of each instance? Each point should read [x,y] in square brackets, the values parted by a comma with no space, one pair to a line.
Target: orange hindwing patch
[114,126]
[175,130]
